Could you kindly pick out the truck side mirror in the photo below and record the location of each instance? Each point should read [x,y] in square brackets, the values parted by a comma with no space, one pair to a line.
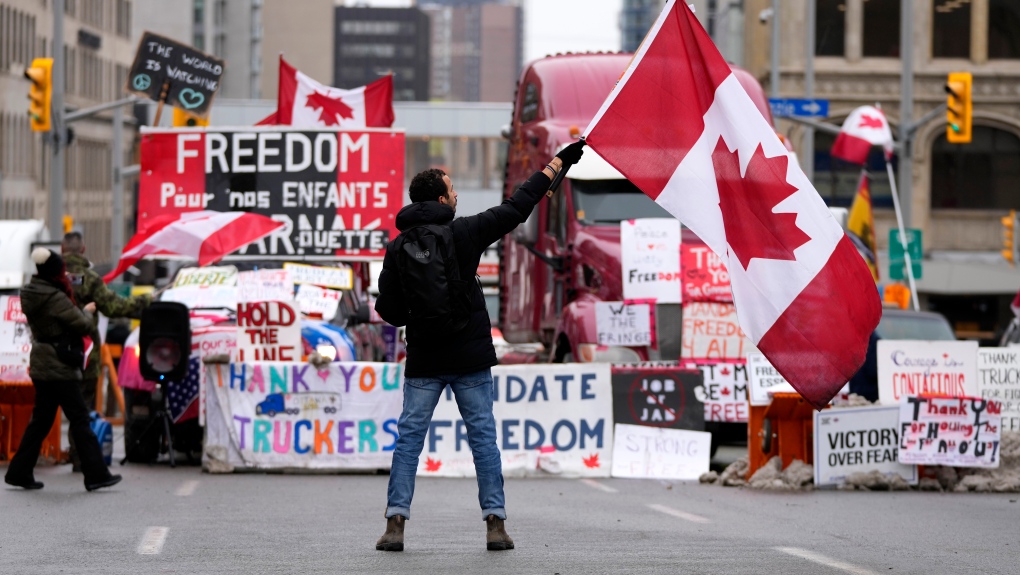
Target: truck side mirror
[527,233]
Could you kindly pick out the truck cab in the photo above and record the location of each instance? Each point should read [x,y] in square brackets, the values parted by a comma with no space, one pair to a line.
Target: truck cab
[566,257]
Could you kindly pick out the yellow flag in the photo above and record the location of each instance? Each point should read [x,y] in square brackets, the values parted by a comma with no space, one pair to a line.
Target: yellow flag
[860,226]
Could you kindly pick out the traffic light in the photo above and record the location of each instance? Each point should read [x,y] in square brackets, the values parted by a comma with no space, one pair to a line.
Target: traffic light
[40,93]
[183,119]
[959,108]
[896,294]
[68,224]
[1009,238]
[164,342]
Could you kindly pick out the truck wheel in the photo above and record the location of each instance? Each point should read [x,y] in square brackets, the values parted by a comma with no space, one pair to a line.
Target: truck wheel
[271,412]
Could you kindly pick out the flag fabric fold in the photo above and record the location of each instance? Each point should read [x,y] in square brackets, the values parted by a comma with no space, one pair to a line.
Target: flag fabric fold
[680,126]
[305,103]
[860,226]
[864,127]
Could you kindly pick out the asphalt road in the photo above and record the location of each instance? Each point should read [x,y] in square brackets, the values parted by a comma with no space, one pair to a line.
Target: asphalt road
[163,520]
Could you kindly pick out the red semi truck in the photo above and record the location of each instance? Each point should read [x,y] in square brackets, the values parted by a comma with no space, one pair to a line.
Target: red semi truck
[567,256]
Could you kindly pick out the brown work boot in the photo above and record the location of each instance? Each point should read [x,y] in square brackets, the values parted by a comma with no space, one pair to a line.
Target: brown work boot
[393,538]
[496,538]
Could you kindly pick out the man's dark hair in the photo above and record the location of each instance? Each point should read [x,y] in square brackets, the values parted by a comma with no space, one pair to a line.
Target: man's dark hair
[428,186]
[73,243]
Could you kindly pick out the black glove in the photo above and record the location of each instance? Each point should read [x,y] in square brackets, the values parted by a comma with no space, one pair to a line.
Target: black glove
[572,153]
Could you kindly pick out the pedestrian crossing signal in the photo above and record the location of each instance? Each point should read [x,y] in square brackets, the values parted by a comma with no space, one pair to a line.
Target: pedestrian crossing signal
[959,108]
[40,93]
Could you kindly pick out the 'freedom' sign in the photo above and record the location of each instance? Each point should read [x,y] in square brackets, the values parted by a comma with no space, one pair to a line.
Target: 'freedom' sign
[337,193]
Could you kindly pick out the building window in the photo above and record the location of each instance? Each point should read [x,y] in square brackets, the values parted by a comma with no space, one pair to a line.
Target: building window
[982,175]
[882,29]
[830,27]
[950,34]
[1003,29]
[369,50]
[368,27]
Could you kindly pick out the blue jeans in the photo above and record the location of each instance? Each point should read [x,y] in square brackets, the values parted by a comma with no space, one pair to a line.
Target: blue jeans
[474,399]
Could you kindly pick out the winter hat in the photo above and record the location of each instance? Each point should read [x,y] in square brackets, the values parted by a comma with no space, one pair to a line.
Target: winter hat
[48,262]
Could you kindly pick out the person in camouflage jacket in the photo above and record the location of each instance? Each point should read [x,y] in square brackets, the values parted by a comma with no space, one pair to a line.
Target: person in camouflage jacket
[88,288]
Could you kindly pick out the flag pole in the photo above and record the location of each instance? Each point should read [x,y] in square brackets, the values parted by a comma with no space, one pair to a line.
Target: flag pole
[903,235]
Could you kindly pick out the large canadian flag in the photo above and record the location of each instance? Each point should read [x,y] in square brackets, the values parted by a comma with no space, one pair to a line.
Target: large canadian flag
[680,127]
[305,103]
[864,127]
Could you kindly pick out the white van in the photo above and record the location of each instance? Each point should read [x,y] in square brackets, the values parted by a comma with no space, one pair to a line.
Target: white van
[16,240]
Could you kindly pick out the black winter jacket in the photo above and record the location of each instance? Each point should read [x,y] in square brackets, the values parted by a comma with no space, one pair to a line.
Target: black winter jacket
[470,350]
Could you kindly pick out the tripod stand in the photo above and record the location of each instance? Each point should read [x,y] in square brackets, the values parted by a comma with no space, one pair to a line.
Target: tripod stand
[162,418]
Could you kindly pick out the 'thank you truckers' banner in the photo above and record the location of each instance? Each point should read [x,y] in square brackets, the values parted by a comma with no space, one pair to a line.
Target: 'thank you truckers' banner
[337,193]
[551,419]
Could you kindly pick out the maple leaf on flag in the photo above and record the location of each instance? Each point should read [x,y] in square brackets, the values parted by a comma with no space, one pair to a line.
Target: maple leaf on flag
[592,461]
[329,108]
[752,230]
[432,464]
[870,122]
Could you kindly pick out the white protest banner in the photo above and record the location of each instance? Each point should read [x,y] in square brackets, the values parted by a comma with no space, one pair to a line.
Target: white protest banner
[999,380]
[15,337]
[650,254]
[551,419]
[336,278]
[207,276]
[210,297]
[14,367]
[294,416]
[858,439]
[711,331]
[314,299]
[955,431]
[268,331]
[763,379]
[265,285]
[617,323]
[724,392]
[660,453]
[910,367]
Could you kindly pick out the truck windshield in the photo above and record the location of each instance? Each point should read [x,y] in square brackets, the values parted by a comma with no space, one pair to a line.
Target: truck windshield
[612,201]
[909,326]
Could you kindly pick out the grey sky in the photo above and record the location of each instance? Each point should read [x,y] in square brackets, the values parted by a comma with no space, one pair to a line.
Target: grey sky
[553,26]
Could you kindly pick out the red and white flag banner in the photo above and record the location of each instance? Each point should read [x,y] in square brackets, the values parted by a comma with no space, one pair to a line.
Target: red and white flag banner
[681,127]
[864,127]
[305,103]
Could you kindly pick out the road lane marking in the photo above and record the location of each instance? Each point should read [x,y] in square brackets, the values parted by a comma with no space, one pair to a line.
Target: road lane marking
[152,541]
[596,485]
[187,488]
[823,560]
[677,513]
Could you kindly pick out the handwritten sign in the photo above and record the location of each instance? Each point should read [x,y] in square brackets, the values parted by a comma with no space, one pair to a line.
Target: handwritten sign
[859,439]
[658,397]
[999,380]
[206,277]
[724,392]
[657,453]
[650,249]
[764,379]
[705,277]
[208,297]
[15,337]
[265,285]
[909,367]
[955,431]
[192,77]
[617,323]
[268,331]
[11,306]
[336,278]
[316,300]
[711,331]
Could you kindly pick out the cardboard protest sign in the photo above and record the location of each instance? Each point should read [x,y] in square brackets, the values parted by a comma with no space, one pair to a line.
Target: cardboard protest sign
[660,397]
[724,392]
[617,323]
[209,297]
[650,453]
[337,193]
[316,300]
[909,367]
[191,77]
[999,380]
[764,379]
[207,276]
[711,331]
[705,277]
[551,419]
[268,331]
[336,278]
[650,255]
[955,431]
[15,337]
[265,285]
[293,415]
[858,439]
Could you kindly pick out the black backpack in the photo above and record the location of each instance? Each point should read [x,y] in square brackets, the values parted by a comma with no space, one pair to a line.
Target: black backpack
[434,292]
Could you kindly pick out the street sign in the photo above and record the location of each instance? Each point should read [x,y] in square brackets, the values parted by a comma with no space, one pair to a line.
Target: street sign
[786,107]
[897,259]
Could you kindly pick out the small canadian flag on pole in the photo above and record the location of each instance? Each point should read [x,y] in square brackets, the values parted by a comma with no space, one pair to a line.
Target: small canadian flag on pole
[681,127]
[305,103]
[864,127]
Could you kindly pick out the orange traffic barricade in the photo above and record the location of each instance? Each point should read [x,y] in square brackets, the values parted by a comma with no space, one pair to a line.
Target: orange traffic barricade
[785,428]
[16,401]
